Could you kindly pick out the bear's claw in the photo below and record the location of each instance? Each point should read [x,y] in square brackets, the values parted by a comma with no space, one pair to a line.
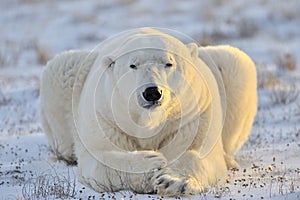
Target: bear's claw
[168,185]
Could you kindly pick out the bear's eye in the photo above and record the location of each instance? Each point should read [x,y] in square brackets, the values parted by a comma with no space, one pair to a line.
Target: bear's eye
[169,65]
[111,64]
[133,66]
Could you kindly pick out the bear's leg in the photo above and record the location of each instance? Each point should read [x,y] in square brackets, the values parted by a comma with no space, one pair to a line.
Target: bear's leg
[132,172]
[191,174]
[179,178]
[234,136]
[60,145]
[54,109]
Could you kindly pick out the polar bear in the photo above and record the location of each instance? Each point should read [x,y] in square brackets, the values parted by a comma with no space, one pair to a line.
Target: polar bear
[146,112]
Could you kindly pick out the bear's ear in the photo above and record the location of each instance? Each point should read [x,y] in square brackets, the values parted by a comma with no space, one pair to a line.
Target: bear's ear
[107,61]
[193,48]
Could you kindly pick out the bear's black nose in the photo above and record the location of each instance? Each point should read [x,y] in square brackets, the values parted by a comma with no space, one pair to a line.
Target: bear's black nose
[152,94]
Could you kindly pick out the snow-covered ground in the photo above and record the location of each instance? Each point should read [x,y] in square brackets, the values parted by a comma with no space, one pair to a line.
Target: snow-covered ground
[33,31]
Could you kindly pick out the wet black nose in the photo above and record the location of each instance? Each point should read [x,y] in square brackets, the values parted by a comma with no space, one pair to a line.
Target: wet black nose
[152,94]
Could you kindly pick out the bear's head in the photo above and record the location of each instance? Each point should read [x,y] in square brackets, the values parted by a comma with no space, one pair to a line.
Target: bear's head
[151,81]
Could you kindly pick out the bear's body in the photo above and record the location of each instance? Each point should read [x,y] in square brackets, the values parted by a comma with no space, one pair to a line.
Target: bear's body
[145,112]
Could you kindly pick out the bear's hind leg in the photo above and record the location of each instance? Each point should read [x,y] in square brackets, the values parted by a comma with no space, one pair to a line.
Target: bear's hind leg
[60,151]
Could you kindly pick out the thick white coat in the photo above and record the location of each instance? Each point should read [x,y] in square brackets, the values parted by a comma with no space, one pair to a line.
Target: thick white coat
[92,113]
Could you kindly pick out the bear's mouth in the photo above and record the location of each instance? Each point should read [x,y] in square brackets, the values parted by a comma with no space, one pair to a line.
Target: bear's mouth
[152,104]
[149,104]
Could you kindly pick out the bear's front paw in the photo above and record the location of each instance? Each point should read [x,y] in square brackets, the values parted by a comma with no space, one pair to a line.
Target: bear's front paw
[168,185]
[150,161]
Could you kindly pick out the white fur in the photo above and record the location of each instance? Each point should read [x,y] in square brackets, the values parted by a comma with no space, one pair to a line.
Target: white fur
[91,111]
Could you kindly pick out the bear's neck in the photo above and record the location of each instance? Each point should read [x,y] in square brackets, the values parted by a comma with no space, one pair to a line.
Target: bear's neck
[165,136]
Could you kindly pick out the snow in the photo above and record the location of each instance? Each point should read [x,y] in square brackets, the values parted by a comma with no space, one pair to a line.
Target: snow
[33,31]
